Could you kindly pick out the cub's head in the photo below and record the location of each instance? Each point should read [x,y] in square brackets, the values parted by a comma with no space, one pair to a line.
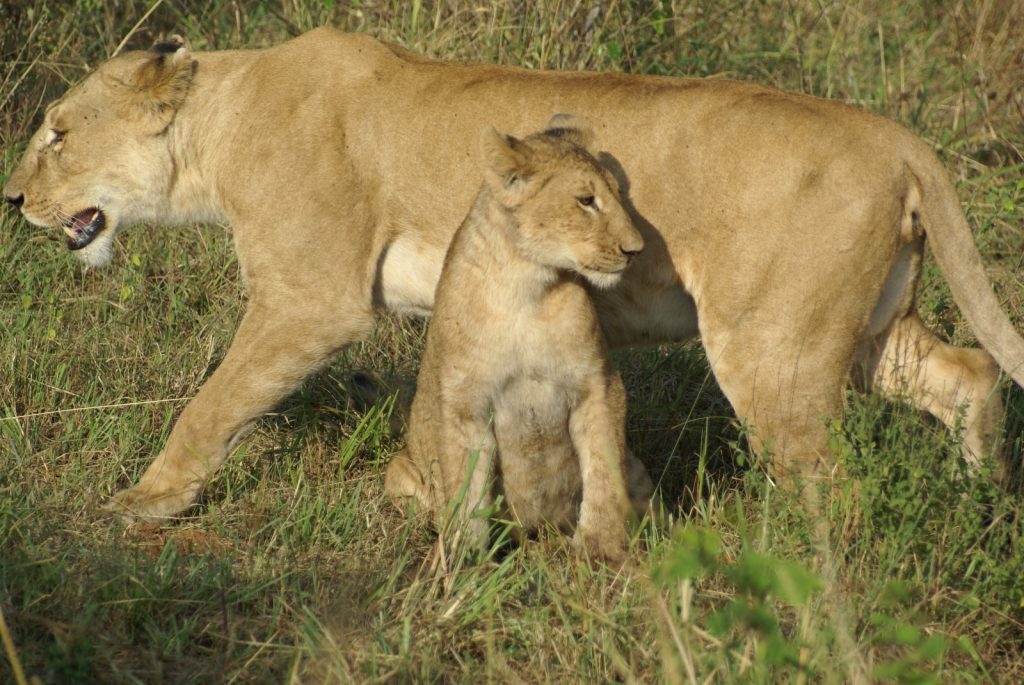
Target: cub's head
[565,207]
[102,157]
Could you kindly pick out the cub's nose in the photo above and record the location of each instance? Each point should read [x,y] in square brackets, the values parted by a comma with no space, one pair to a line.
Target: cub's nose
[16,200]
[630,253]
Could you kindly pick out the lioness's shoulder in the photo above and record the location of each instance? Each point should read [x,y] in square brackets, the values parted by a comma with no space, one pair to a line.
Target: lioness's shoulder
[357,47]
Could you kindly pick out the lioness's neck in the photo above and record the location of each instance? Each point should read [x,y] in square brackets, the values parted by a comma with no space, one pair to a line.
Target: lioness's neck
[196,136]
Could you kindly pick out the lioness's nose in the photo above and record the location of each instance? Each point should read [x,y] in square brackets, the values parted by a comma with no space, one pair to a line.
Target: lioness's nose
[16,200]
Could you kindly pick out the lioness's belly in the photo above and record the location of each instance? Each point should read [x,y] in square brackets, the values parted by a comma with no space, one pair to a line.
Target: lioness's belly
[407,276]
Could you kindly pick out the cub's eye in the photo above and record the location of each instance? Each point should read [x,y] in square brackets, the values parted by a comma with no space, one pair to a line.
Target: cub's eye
[587,202]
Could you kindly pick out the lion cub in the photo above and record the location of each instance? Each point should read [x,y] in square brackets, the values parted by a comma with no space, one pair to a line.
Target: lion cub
[516,395]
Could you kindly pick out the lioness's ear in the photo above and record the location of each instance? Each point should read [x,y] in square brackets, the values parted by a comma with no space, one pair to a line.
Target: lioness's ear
[572,128]
[507,168]
[164,78]
[158,86]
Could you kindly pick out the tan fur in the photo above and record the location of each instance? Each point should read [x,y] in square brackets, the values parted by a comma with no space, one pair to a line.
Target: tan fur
[786,229]
[515,385]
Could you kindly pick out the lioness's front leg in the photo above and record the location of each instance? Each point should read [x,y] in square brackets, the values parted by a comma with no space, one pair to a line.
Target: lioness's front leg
[273,351]
[597,427]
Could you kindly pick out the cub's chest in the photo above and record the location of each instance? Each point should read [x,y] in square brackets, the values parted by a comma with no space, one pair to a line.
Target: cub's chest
[553,342]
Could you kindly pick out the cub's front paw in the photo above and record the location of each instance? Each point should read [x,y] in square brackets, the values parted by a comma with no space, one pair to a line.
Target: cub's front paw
[609,546]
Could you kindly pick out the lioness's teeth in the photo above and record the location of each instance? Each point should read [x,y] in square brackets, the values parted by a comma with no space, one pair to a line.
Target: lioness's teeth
[94,215]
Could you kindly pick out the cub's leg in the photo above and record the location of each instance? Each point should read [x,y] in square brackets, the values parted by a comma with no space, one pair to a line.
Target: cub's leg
[539,469]
[597,427]
[273,351]
[405,483]
[639,486]
[908,361]
[467,448]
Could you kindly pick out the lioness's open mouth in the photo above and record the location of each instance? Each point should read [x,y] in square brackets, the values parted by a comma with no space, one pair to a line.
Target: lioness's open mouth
[83,227]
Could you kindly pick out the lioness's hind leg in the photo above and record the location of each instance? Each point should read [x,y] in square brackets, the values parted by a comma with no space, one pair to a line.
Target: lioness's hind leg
[908,361]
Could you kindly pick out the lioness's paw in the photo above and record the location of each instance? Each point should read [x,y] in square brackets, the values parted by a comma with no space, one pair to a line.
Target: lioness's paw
[141,503]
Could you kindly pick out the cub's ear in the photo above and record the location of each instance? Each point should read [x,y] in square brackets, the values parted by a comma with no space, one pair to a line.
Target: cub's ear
[159,84]
[507,167]
[573,128]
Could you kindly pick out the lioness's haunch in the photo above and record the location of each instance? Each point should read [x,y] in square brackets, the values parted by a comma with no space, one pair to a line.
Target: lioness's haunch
[787,230]
[515,385]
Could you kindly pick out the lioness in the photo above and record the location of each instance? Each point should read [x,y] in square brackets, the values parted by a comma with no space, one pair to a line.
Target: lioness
[787,230]
[515,383]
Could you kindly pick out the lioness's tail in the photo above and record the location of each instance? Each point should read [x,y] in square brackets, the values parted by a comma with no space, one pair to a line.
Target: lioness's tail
[960,262]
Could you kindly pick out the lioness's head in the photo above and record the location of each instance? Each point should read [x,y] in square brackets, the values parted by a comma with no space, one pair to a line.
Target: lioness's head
[565,206]
[101,157]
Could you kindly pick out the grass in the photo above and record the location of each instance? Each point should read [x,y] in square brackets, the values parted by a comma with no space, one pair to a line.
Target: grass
[294,569]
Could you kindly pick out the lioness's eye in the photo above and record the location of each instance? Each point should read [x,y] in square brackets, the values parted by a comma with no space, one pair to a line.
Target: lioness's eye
[586,201]
[54,137]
